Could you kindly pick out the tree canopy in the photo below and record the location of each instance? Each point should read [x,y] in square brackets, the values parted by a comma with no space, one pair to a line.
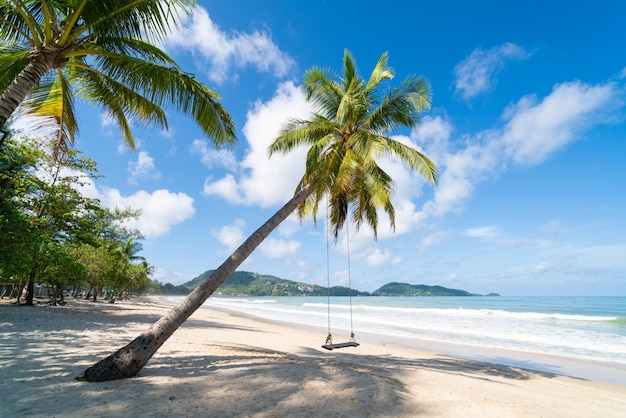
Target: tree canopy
[53,52]
[348,134]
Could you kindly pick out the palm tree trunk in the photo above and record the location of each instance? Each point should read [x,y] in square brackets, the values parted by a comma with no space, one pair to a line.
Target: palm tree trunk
[129,360]
[19,88]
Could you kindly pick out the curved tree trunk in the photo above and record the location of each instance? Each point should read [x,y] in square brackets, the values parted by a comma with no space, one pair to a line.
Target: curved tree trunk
[129,360]
[19,88]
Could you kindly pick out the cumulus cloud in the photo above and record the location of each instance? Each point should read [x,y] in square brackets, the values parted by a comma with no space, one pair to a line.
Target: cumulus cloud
[142,168]
[467,161]
[380,258]
[231,236]
[212,157]
[434,238]
[264,181]
[225,51]
[476,74]
[160,210]
[275,248]
[534,129]
[533,126]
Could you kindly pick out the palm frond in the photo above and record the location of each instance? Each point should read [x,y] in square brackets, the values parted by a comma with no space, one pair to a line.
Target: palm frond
[13,27]
[120,102]
[346,136]
[401,106]
[132,19]
[350,71]
[24,19]
[122,46]
[52,102]
[381,72]
[167,86]
[323,91]
[414,159]
[13,59]
[299,132]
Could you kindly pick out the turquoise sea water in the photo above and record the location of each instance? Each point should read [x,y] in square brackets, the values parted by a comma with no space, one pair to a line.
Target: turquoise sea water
[587,329]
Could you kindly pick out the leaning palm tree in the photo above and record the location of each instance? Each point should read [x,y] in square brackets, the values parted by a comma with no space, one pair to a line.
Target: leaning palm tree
[54,51]
[347,133]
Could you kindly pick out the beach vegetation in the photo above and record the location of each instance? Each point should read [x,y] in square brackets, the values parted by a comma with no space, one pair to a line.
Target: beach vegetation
[53,52]
[245,283]
[52,237]
[347,135]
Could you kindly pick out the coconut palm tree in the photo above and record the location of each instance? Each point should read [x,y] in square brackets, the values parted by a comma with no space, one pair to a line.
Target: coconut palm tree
[346,134]
[126,254]
[54,51]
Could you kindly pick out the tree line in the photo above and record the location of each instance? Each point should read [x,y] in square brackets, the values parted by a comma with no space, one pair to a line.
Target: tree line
[55,241]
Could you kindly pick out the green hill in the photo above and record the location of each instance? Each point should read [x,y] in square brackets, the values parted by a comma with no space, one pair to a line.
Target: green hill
[244,283]
[405,289]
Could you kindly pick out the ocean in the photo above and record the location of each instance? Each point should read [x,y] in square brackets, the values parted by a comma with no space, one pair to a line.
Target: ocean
[541,333]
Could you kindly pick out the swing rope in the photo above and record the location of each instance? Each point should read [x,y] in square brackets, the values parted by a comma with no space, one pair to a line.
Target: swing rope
[349,282]
[329,339]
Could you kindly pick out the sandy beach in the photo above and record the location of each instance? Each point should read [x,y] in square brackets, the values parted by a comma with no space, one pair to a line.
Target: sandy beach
[224,364]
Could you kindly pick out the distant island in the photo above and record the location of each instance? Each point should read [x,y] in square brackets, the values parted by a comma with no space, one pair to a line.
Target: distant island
[244,283]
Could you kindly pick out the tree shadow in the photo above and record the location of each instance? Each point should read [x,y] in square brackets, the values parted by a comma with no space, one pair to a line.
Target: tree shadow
[39,360]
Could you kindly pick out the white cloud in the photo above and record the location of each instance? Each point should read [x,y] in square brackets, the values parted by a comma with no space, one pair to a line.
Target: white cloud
[536,130]
[142,168]
[168,275]
[433,133]
[435,238]
[211,157]
[380,258]
[227,188]
[539,268]
[107,121]
[476,74]
[485,232]
[223,51]
[264,181]
[278,248]
[231,236]
[160,210]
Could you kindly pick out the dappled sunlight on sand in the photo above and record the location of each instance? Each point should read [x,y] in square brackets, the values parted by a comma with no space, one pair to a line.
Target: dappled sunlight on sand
[220,364]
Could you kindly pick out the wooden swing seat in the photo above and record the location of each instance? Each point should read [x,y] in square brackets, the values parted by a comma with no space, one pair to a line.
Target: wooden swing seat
[340,345]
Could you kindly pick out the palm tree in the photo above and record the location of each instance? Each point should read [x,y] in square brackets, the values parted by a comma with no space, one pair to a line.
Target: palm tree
[126,252]
[346,134]
[53,51]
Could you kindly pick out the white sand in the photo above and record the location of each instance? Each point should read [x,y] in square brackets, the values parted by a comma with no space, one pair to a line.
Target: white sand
[221,364]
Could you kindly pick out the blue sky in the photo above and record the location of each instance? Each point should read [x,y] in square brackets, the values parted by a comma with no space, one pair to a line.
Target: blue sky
[527,129]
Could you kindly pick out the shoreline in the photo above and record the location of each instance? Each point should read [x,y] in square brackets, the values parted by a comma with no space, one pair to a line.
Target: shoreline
[597,370]
[225,363]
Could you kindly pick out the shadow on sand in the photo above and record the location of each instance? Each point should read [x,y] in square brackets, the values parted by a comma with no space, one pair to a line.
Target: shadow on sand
[39,360]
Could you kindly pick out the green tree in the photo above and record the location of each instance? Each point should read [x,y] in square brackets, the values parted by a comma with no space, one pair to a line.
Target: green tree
[97,261]
[125,253]
[52,51]
[348,132]
[17,162]
[60,268]
[54,207]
